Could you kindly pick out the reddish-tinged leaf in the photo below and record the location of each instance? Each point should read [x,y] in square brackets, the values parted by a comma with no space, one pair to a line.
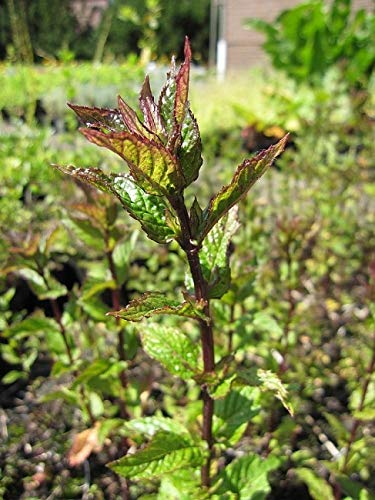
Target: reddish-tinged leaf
[182,85]
[132,122]
[99,118]
[167,99]
[152,118]
[245,176]
[93,176]
[154,168]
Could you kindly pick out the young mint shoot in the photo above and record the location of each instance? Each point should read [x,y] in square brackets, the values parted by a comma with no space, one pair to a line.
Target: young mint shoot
[163,154]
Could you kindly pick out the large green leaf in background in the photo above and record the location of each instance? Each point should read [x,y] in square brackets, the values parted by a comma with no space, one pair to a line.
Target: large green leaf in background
[247,477]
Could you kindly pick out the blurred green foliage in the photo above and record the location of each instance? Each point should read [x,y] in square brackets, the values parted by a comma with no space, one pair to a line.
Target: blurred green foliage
[307,40]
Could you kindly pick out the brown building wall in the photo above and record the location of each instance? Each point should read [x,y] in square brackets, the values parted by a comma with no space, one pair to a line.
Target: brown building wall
[243,45]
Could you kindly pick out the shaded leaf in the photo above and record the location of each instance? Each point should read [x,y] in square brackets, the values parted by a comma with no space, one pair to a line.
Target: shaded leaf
[317,486]
[148,209]
[166,101]
[151,303]
[165,453]
[122,255]
[171,348]
[245,176]
[131,120]
[43,287]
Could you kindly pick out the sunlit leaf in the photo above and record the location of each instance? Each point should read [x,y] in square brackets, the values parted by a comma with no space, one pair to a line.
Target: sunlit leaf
[151,165]
[152,303]
[172,348]
[149,426]
[166,452]
[106,120]
[148,209]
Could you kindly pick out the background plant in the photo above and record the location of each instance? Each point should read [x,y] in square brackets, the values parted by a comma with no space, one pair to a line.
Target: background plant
[307,40]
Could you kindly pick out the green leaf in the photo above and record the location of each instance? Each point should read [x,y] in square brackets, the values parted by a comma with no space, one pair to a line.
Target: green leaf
[96,404]
[214,255]
[317,486]
[264,322]
[245,176]
[149,210]
[32,325]
[355,490]
[66,394]
[171,348]
[93,370]
[337,428]
[92,287]
[12,376]
[183,484]
[234,412]
[151,165]
[166,453]
[271,382]
[365,415]
[152,303]
[247,477]
[149,426]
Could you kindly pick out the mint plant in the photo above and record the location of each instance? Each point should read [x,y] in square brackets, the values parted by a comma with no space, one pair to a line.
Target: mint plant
[163,154]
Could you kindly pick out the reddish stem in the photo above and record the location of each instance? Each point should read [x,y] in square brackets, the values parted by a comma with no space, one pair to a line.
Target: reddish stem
[206,332]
